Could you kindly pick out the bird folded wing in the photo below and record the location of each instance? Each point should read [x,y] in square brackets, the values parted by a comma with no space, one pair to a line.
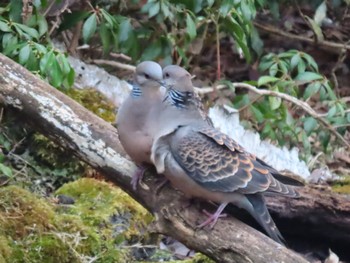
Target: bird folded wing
[214,165]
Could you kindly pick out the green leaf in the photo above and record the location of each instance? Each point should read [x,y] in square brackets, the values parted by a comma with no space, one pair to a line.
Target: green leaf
[256,42]
[46,61]
[154,10]
[71,77]
[257,113]
[111,21]
[225,7]
[308,76]
[26,32]
[228,84]
[340,109]
[312,89]
[273,70]
[295,60]
[306,142]
[264,65]
[5,170]
[89,27]
[42,24]
[63,62]
[55,74]
[71,19]
[275,102]
[106,38]
[246,10]
[24,54]
[125,30]
[309,125]
[236,30]
[266,79]
[152,51]
[329,90]
[16,11]
[324,138]
[321,13]
[190,27]
[182,54]
[166,11]
[332,111]
[310,61]
[42,49]
[283,66]
[316,28]
[301,66]
[4,27]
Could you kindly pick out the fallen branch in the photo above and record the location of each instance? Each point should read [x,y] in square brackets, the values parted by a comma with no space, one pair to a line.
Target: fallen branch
[301,104]
[114,64]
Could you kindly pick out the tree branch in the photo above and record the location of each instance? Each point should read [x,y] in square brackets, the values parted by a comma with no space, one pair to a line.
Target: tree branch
[336,46]
[301,104]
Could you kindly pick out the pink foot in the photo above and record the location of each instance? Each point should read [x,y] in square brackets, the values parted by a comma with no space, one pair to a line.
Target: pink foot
[213,218]
[137,177]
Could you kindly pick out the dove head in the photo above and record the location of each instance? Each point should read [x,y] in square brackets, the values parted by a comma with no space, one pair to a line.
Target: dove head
[148,74]
[177,78]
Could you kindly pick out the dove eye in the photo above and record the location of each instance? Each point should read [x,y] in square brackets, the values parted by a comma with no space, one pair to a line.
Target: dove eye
[147,76]
[167,75]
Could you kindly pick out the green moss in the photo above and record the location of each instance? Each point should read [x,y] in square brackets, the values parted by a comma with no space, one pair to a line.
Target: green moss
[5,250]
[95,102]
[36,231]
[22,213]
[53,249]
[342,186]
[113,214]
[98,201]
[102,224]
[198,258]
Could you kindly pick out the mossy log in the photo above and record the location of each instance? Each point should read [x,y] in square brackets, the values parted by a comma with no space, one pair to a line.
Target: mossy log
[96,142]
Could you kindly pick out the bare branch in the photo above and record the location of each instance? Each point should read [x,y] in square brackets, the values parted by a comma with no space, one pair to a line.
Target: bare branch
[301,104]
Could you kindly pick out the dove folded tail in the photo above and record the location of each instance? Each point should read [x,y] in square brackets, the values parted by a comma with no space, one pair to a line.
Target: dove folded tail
[260,213]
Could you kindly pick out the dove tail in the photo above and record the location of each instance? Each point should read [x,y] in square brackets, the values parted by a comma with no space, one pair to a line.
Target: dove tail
[261,214]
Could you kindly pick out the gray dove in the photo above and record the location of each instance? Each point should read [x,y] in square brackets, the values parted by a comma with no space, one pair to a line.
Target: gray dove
[205,163]
[138,114]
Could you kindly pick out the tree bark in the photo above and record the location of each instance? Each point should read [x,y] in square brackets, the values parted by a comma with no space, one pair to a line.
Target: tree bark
[96,142]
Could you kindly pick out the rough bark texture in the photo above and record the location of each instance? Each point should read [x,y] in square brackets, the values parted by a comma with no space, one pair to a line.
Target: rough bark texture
[96,142]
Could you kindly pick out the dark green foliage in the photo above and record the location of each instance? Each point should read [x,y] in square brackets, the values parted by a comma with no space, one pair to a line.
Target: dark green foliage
[27,42]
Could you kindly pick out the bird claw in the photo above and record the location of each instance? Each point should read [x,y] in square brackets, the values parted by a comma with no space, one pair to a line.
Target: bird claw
[137,177]
[211,220]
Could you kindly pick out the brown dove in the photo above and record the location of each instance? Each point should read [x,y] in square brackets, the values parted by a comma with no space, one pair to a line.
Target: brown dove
[137,116]
[203,162]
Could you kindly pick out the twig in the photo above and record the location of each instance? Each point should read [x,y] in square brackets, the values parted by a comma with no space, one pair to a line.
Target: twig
[301,104]
[250,103]
[218,49]
[324,43]
[114,64]
[340,60]
[120,55]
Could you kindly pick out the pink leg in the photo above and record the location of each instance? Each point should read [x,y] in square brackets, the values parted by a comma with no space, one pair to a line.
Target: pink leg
[137,177]
[213,218]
